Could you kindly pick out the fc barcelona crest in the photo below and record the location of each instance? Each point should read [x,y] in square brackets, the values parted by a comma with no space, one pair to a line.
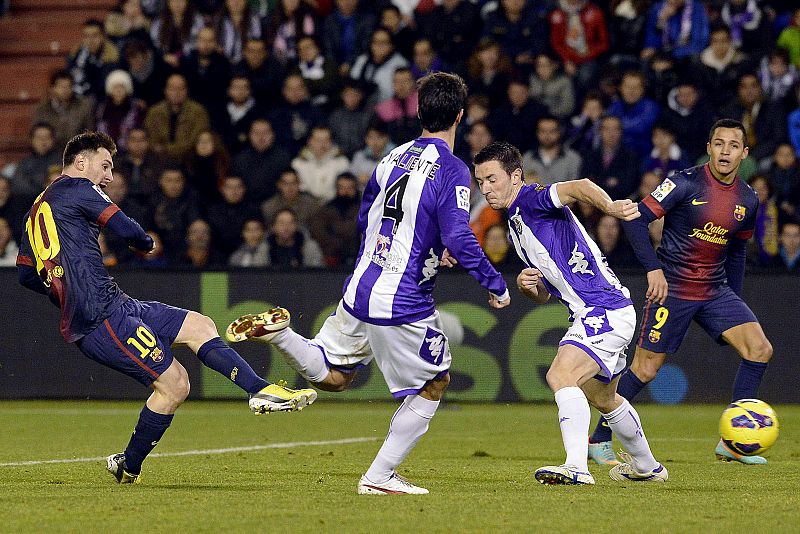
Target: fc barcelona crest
[739,212]
[655,336]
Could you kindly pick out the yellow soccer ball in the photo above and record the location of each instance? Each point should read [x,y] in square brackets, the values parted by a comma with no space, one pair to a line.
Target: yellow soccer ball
[749,426]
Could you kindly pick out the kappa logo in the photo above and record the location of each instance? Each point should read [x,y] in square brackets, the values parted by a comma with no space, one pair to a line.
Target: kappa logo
[596,323]
[579,262]
[516,220]
[433,347]
[431,267]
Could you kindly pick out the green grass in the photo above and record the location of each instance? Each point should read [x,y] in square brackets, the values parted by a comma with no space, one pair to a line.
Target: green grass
[477,460]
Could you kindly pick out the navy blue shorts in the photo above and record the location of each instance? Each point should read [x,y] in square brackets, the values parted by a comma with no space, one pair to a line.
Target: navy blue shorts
[664,327]
[135,339]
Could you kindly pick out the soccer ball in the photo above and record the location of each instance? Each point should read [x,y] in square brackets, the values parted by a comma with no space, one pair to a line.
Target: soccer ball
[749,426]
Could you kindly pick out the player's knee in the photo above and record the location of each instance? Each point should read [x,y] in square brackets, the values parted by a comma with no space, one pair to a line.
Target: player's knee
[761,352]
[434,390]
[336,381]
[645,369]
[206,326]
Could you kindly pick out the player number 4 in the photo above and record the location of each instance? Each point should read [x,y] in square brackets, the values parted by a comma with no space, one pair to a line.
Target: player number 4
[145,343]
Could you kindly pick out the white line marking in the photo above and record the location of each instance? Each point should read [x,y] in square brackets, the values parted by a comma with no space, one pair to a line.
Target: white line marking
[287,445]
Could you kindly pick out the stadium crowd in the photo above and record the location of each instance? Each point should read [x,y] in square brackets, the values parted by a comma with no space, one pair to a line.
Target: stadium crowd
[247,129]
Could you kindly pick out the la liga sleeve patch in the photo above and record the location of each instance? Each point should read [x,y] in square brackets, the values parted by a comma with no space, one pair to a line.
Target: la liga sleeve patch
[462,197]
[664,189]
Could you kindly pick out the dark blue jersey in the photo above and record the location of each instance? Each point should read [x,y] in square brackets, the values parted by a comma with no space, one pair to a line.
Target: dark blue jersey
[60,243]
[702,218]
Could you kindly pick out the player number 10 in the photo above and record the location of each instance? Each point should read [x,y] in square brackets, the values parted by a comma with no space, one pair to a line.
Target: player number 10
[145,343]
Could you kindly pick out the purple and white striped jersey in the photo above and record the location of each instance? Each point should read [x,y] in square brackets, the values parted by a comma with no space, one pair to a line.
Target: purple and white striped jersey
[549,237]
[415,205]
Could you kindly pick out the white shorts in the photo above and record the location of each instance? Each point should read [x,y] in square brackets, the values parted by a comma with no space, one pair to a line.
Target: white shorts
[604,335]
[408,355]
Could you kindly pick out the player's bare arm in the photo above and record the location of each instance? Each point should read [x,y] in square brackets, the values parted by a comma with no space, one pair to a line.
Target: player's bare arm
[529,282]
[584,190]
[499,302]
[657,287]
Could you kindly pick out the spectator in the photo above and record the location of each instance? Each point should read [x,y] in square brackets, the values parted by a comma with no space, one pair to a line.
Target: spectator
[789,39]
[584,129]
[498,249]
[303,205]
[199,253]
[92,61]
[784,175]
[377,66]
[148,70]
[614,247]
[174,123]
[690,117]
[476,110]
[12,208]
[120,112]
[107,255]
[666,156]
[290,248]
[612,165]
[253,252]
[777,76]
[478,137]
[140,165]
[241,111]
[289,20]
[335,225]
[764,121]
[320,74]
[454,27]
[551,87]
[751,29]
[662,75]
[155,259]
[626,32]
[377,146]
[263,70]
[488,72]
[424,59]
[206,165]
[793,123]
[511,121]
[579,35]
[127,21]
[117,190]
[679,27]
[173,209]
[400,111]
[346,33]
[789,257]
[227,216]
[261,162]
[207,74]
[67,113]
[8,247]
[637,112]
[30,174]
[403,35]
[235,23]
[763,248]
[720,67]
[319,163]
[174,32]
[521,31]
[294,120]
[551,162]
[349,121]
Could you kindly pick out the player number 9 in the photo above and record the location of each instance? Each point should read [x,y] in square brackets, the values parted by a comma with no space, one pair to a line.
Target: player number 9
[661,317]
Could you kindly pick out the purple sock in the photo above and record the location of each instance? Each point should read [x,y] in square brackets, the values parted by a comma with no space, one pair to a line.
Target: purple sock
[217,355]
[148,432]
[748,378]
[628,387]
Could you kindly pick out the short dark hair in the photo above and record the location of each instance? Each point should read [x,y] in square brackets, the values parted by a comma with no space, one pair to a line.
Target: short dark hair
[39,125]
[97,23]
[60,74]
[504,153]
[728,123]
[441,97]
[87,142]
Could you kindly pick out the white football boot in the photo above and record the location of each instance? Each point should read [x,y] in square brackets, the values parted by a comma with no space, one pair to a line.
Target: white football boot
[396,485]
[625,471]
[564,475]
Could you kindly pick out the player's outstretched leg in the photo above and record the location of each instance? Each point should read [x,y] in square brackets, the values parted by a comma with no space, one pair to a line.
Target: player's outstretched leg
[199,333]
[638,464]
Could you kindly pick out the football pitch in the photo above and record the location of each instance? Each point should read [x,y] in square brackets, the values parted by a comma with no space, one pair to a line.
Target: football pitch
[221,469]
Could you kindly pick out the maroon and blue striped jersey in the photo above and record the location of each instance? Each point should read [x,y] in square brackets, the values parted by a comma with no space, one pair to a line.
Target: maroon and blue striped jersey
[702,217]
[60,243]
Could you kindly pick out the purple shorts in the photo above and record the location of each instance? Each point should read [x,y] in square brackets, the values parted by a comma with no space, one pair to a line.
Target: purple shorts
[135,339]
[664,327]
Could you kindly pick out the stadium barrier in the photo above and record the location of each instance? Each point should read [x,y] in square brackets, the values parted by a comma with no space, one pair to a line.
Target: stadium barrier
[504,355]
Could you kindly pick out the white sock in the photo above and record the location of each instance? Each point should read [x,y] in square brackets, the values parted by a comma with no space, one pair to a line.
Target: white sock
[574,417]
[409,423]
[304,357]
[624,423]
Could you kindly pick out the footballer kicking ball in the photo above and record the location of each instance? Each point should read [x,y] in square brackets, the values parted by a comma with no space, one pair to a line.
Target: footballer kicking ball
[749,426]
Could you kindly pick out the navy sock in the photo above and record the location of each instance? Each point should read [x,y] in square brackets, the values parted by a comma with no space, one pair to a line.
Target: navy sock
[629,386]
[217,355]
[748,378]
[148,432]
